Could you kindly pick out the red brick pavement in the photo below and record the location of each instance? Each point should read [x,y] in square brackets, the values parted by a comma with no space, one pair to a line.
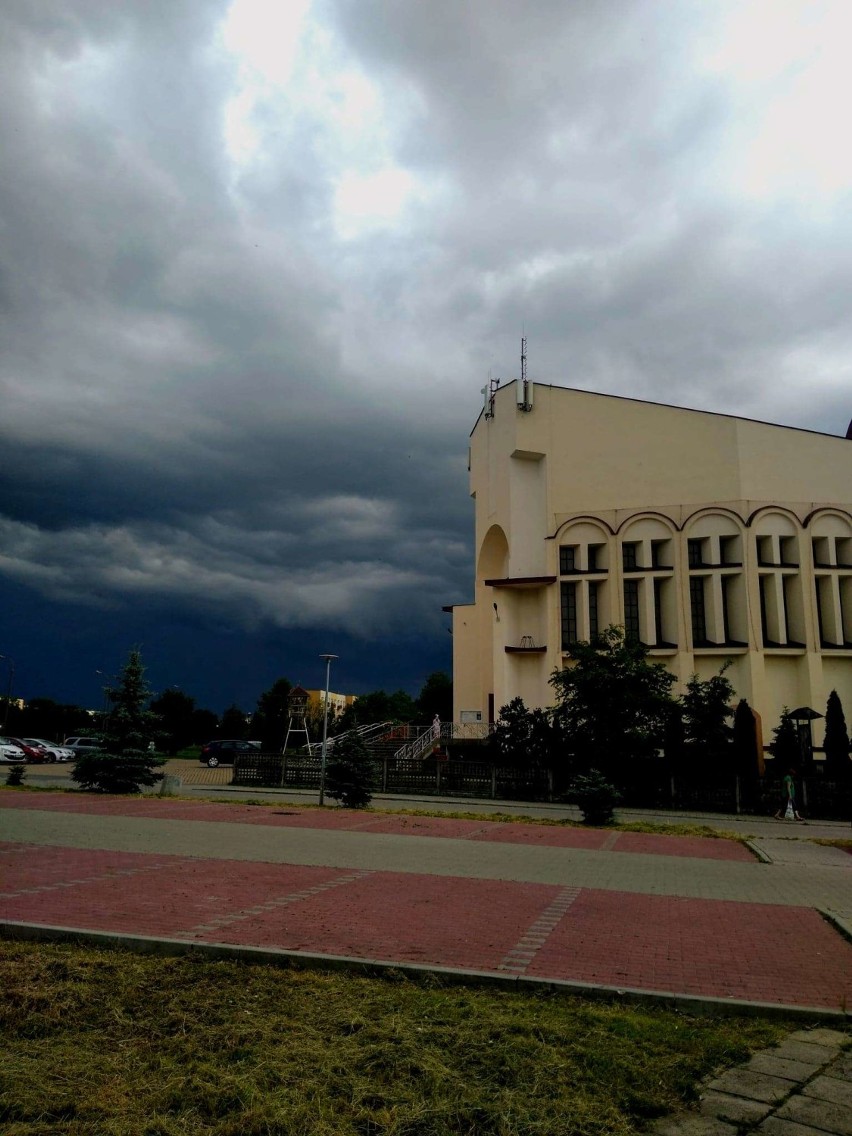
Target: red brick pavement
[711,948]
[551,836]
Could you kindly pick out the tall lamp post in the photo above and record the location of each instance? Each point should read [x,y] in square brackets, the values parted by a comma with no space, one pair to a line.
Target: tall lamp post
[11,663]
[328,659]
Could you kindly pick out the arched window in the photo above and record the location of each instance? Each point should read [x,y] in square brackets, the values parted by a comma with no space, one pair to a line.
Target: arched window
[647,553]
[777,544]
[831,551]
[718,602]
[584,563]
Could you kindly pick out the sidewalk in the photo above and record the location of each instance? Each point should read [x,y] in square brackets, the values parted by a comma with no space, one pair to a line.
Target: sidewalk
[673,917]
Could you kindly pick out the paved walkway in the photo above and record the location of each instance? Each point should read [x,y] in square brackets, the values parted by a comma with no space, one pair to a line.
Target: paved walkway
[690,916]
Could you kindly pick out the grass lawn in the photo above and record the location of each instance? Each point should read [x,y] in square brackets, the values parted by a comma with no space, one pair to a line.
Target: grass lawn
[110,1043]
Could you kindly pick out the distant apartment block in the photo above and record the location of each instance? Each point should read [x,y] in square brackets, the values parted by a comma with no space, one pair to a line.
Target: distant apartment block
[707,537]
[337,703]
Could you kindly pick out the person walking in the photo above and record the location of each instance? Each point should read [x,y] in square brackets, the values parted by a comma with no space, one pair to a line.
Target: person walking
[787,810]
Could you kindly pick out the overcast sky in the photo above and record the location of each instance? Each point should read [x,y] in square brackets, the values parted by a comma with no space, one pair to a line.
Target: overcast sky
[258,258]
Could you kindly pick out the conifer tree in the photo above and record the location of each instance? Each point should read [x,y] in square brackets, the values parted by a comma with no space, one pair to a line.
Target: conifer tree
[836,744]
[349,774]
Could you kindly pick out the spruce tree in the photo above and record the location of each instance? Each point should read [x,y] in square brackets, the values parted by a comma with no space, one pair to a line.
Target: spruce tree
[349,773]
[745,740]
[785,745]
[127,761]
[836,744]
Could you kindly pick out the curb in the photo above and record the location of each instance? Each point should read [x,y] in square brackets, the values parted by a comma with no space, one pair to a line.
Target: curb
[838,922]
[145,944]
[762,855]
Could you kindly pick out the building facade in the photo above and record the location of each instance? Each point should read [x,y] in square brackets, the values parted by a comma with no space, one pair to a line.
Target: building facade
[706,536]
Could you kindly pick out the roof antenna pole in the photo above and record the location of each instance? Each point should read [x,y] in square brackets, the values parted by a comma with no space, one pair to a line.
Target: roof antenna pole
[524,386]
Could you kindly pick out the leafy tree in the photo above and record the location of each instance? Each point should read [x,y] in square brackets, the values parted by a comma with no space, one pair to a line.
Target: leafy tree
[269,723]
[125,764]
[785,744]
[44,718]
[436,697]
[378,706]
[175,710]
[705,711]
[745,741]
[836,744]
[349,773]
[612,704]
[205,725]
[234,723]
[523,737]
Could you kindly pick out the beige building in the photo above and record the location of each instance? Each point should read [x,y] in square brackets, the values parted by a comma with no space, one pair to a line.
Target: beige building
[709,537]
[337,703]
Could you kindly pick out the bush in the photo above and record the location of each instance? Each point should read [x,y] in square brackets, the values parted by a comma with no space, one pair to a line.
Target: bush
[349,774]
[16,775]
[594,796]
[100,772]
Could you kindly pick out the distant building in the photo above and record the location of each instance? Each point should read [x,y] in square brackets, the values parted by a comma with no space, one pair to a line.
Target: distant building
[706,536]
[337,703]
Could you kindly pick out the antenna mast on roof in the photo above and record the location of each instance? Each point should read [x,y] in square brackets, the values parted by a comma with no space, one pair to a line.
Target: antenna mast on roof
[524,386]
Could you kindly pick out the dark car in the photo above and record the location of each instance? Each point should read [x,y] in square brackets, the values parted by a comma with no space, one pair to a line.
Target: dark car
[219,752]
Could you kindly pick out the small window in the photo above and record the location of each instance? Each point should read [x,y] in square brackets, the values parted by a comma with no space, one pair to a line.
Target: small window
[695,549]
[569,615]
[764,550]
[699,610]
[844,552]
[822,553]
[594,607]
[660,555]
[631,609]
[596,557]
[568,559]
[630,555]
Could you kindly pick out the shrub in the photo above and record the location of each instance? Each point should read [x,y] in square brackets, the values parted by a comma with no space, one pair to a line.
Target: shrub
[16,775]
[595,797]
[100,772]
[349,774]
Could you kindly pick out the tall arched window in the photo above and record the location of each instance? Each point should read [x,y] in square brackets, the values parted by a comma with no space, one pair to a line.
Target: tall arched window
[831,550]
[648,586]
[782,615]
[584,563]
[718,604]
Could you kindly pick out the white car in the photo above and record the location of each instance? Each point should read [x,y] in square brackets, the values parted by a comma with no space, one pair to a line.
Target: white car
[10,752]
[54,752]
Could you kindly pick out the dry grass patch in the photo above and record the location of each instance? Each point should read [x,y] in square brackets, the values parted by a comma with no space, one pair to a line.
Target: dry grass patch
[116,1044]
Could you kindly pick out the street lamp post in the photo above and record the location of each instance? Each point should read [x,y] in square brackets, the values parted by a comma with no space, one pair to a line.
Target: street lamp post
[328,659]
[11,663]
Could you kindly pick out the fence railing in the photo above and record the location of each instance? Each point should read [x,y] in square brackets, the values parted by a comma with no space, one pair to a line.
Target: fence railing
[817,798]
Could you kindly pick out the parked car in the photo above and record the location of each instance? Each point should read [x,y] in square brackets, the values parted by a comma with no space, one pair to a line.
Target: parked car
[11,752]
[35,753]
[83,745]
[53,750]
[223,750]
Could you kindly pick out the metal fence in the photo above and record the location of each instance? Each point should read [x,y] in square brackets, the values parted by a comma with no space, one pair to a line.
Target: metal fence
[817,797]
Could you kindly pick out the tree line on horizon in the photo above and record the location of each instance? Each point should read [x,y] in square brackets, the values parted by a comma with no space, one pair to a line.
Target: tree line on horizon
[179,723]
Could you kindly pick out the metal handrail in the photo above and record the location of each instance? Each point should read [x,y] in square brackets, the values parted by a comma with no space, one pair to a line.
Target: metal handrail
[365,733]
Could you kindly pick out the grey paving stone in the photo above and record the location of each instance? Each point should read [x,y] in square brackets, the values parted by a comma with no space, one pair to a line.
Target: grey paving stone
[754,1086]
[829,1117]
[767,1062]
[772,1126]
[821,1036]
[688,1124]
[738,1110]
[832,1089]
[843,1067]
[805,1051]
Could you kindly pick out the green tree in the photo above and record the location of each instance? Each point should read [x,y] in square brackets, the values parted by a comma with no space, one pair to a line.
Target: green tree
[126,763]
[269,722]
[612,704]
[523,737]
[836,744]
[436,697]
[234,723]
[744,742]
[349,773]
[205,725]
[378,706]
[785,745]
[176,711]
[705,710]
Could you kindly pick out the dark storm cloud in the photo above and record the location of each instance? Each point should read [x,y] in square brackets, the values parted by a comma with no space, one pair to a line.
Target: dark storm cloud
[231,392]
